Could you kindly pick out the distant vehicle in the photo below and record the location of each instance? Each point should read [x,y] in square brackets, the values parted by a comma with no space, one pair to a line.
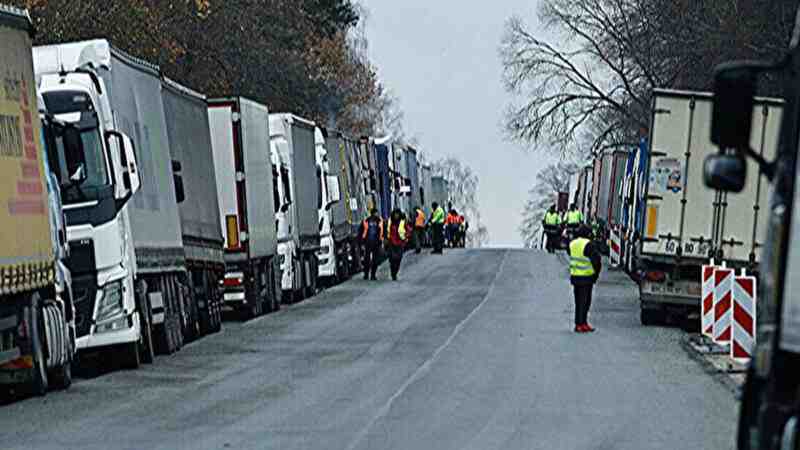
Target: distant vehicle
[327,256]
[344,184]
[292,137]
[37,316]
[685,223]
[248,199]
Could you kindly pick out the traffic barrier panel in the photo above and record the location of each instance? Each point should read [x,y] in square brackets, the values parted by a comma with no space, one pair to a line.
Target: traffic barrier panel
[744,318]
[707,300]
[615,248]
[723,287]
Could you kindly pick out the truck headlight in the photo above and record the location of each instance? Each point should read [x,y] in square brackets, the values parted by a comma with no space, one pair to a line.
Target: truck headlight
[110,302]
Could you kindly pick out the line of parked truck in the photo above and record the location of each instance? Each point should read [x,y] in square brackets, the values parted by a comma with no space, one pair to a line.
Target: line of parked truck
[666,223]
[136,210]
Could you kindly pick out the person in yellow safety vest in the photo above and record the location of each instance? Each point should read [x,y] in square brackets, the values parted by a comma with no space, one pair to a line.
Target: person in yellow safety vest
[397,235]
[551,223]
[437,225]
[584,268]
[419,229]
[574,217]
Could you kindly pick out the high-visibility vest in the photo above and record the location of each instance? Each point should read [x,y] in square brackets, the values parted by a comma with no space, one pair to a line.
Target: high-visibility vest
[551,219]
[420,223]
[401,229]
[574,217]
[579,264]
[438,215]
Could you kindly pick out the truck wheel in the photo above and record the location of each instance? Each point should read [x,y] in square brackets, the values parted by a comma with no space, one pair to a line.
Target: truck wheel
[145,330]
[129,356]
[650,317]
[62,376]
[39,384]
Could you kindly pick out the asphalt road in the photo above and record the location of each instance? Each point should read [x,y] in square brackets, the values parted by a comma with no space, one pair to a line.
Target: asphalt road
[470,350]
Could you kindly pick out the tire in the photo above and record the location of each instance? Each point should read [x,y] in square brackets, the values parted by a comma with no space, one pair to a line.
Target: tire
[129,358]
[650,317]
[39,384]
[146,349]
[62,376]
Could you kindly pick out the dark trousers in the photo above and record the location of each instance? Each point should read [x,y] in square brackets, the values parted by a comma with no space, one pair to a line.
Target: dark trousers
[371,256]
[438,238]
[583,301]
[552,239]
[395,258]
[419,237]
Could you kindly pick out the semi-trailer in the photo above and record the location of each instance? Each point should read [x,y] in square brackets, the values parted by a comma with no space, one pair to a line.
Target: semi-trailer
[684,223]
[382,148]
[186,113]
[344,213]
[248,200]
[127,258]
[292,137]
[37,326]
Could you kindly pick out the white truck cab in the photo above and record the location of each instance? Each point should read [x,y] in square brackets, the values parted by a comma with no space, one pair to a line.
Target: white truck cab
[327,251]
[283,216]
[96,184]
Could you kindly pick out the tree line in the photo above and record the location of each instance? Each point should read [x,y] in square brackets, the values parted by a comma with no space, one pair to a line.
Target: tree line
[303,56]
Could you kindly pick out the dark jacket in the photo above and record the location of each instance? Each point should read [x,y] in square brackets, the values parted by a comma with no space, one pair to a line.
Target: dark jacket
[593,253]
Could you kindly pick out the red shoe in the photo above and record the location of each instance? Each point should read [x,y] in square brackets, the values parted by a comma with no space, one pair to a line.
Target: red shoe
[587,328]
[580,329]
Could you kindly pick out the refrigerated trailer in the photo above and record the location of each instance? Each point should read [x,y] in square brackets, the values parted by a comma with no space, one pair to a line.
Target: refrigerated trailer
[37,327]
[129,242]
[685,223]
[245,189]
[186,114]
[292,137]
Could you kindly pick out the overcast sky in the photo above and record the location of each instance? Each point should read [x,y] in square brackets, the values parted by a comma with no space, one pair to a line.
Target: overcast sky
[440,58]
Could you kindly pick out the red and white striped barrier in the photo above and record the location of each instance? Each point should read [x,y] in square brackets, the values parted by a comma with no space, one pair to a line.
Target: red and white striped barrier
[707,300]
[744,318]
[615,248]
[723,293]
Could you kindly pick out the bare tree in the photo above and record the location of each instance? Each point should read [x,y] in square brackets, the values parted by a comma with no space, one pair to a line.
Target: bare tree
[549,181]
[590,86]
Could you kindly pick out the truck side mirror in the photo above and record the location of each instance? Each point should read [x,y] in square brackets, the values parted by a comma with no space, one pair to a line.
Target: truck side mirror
[129,173]
[732,116]
[334,191]
[180,194]
[725,172]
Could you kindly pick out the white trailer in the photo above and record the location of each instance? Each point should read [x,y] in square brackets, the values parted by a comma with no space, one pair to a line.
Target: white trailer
[686,223]
[246,191]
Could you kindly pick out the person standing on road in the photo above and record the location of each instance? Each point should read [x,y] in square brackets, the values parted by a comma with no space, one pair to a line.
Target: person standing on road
[396,240]
[584,269]
[372,235]
[550,224]
[419,229]
[574,220]
[437,224]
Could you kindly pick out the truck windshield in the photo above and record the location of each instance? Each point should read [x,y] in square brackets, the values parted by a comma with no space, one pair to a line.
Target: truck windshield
[81,174]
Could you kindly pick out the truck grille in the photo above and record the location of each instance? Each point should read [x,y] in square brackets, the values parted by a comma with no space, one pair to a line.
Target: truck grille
[84,290]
